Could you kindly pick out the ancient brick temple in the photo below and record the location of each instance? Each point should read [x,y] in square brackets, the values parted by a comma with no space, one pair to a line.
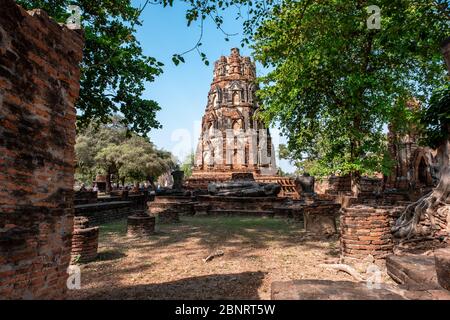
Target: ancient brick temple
[232,138]
[415,166]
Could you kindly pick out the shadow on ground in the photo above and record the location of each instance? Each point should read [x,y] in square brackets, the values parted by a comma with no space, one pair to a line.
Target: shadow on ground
[109,255]
[247,233]
[211,287]
[226,230]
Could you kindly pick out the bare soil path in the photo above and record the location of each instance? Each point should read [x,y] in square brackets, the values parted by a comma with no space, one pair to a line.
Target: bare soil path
[169,264]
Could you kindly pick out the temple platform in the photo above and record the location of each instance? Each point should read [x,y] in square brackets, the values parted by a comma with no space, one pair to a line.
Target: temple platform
[252,206]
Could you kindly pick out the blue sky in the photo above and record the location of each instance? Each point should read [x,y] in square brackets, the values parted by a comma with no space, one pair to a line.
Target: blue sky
[182,90]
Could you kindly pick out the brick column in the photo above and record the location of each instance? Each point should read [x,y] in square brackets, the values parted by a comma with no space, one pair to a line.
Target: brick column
[39,84]
[367,230]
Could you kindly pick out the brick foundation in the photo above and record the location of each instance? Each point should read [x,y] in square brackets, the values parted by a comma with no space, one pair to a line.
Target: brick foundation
[101,213]
[320,217]
[39,83]
[140,226]
[84,244]
[180,204]
[85,197]
[367,230]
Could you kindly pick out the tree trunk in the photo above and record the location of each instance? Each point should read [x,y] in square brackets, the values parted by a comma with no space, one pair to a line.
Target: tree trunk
[355,178]
[434,207]
[150,180]
[446,52]
[108,181]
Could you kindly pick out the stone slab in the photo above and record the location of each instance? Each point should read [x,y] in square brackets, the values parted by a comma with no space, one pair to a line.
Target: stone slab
[413,271]
[329,290]
[442,262]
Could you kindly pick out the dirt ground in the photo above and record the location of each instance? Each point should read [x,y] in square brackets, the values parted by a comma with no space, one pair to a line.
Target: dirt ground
[169,264]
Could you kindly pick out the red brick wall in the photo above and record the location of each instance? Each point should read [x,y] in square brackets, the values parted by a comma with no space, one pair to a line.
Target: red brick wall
[39,83]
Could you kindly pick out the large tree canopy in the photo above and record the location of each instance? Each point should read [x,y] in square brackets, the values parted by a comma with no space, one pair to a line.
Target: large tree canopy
[336,83]
[114,69]
[112,149]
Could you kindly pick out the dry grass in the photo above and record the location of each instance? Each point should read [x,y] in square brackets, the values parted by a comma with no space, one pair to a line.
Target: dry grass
[168,265]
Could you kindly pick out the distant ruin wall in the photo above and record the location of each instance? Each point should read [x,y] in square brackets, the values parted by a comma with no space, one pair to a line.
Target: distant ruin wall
[342,184]
[39,84]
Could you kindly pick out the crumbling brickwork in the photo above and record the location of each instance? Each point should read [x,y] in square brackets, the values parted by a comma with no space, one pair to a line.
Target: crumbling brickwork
[84,244]
[141,226]
[367,230]
[39,84]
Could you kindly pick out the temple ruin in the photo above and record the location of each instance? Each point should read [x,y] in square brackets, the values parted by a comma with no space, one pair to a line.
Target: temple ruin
[45,226]
[232,138]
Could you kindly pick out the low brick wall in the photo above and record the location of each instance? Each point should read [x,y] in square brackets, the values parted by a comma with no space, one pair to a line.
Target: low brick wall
[140,226]
[85,197]
[100,213]
[320,217]
[84,244]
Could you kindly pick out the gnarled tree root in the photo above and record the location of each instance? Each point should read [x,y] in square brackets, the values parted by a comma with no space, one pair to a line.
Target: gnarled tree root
[428,207]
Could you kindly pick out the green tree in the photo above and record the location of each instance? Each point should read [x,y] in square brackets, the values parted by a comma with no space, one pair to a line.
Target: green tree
[188,165]
[140,160]
[89,144]
[113,149]
[335,83]
[114,68]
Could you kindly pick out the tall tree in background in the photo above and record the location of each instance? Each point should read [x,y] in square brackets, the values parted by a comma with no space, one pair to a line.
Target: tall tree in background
[95,148]
[435,130]
[111,149]
[336,83]
[188,165]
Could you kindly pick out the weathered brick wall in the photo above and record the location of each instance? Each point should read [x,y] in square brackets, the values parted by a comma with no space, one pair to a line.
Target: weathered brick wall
[101,213]
[333,185]
[367,230]
[39,83]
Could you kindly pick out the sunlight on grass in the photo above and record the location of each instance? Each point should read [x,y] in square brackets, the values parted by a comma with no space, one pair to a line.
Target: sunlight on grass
[242,223]
[115,228]
[224,225]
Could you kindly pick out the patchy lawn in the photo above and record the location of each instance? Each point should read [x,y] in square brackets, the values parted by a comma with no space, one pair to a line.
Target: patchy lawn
[169,265]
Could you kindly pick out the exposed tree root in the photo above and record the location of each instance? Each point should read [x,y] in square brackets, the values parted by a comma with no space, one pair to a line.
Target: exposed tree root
[427,207]
[344,268]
